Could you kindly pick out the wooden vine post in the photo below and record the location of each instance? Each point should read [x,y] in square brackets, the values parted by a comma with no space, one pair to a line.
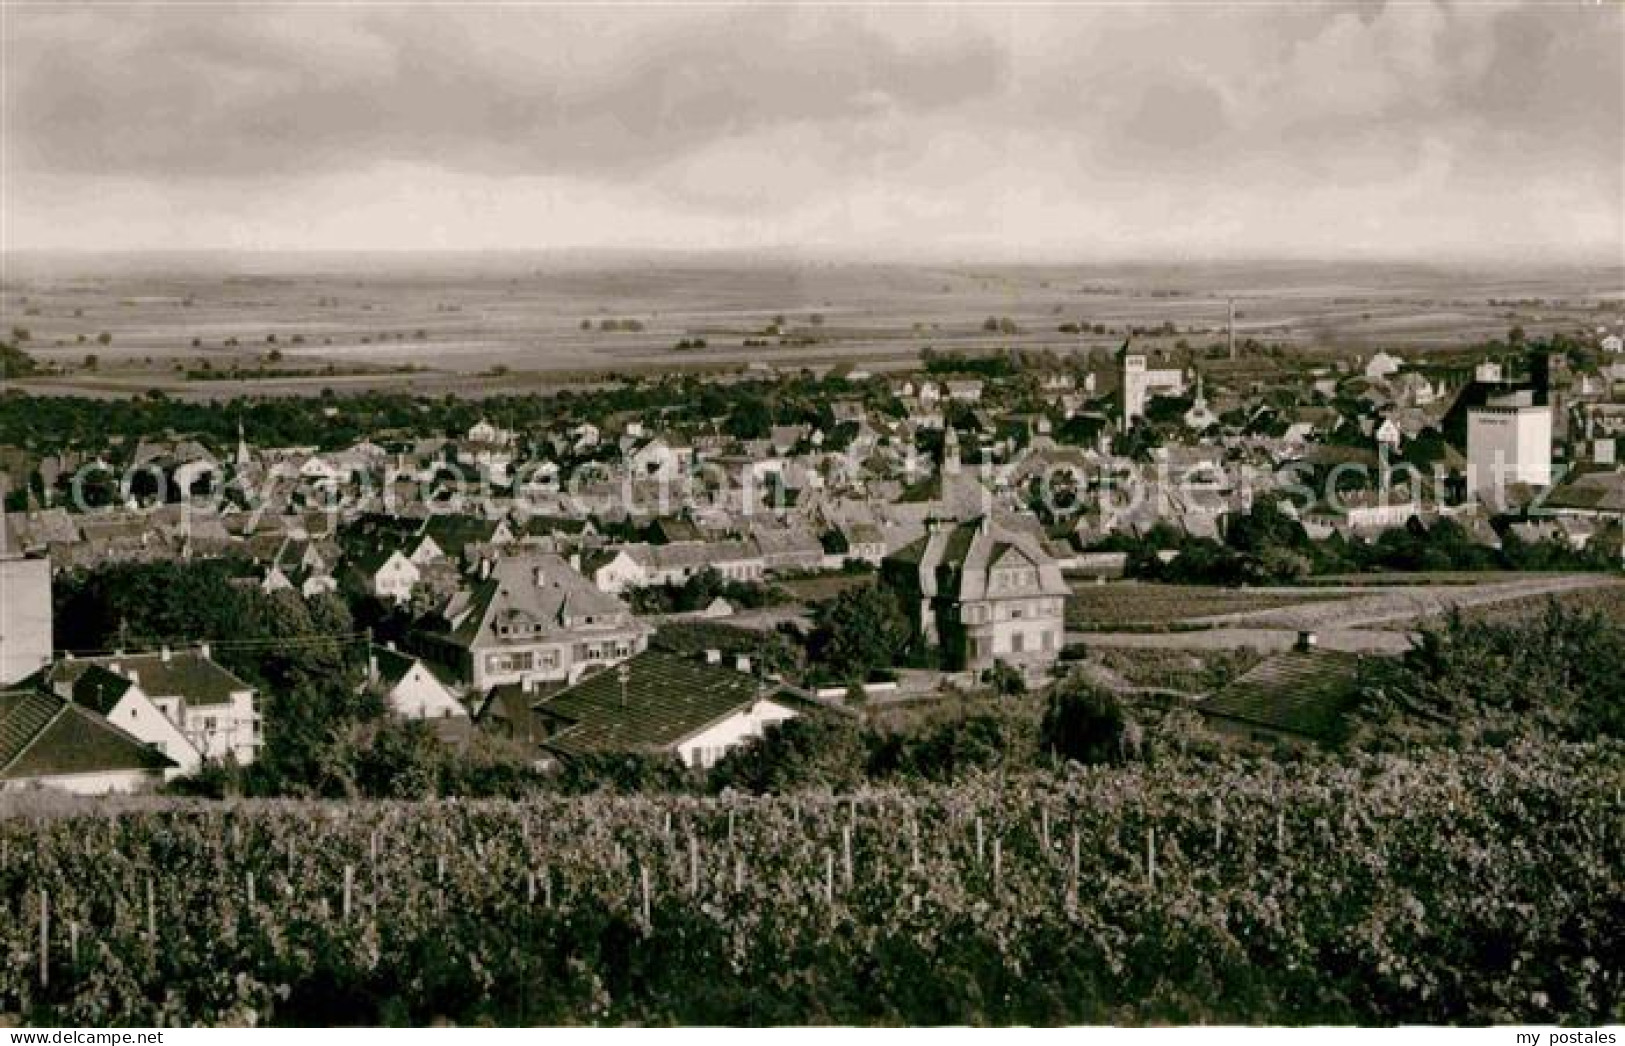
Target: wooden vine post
[44,938]
[693,865]
[1075,864]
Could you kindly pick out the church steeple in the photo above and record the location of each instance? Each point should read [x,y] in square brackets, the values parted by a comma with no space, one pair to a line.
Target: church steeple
[1199,417]
[243,459]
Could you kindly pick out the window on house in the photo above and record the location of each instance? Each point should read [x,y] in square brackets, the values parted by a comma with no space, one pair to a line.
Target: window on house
[515,662]
[1017,641]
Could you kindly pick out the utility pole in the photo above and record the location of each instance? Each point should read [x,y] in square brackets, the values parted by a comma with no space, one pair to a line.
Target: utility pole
[1232,328]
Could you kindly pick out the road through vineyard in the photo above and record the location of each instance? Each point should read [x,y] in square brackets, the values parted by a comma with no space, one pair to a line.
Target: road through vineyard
[1441,888]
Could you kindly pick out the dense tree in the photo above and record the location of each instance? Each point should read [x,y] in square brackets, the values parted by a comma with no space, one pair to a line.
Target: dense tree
[1556,676]
[14,362]
[862,629]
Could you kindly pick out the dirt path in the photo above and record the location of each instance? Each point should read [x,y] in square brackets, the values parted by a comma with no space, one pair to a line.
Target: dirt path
[1394,605]
[1268,640]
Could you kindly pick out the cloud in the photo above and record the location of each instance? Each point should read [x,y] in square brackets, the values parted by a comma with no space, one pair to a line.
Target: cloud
[183,92]
[1407,127]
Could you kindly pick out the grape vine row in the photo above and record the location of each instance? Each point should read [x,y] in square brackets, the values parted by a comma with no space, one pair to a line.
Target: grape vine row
[1445,888]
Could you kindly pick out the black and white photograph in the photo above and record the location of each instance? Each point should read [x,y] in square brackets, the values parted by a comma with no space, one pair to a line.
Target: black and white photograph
[906,515]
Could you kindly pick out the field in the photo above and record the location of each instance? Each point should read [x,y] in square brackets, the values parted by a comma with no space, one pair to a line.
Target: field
[1447,888]
[1185,671]
[1138,605]
[1331,603]
[531,320]
[823,589]
[1608,600]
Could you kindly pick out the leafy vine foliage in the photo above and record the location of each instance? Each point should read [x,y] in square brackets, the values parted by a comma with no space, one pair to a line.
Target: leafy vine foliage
[1459,888]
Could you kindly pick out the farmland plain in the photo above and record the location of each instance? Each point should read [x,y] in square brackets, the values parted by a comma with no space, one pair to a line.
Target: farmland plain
[211,326]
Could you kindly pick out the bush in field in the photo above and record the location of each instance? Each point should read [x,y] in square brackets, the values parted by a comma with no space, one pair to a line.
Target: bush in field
[810,752]
[1084,723]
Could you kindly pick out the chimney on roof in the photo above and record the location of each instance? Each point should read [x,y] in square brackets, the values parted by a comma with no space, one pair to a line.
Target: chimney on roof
[1307,641]
[541,577]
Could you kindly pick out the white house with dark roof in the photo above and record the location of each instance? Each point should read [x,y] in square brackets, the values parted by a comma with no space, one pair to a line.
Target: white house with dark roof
[695,709]
[119,699]
[216,711]
[410,686]
[49,741]
[386,573]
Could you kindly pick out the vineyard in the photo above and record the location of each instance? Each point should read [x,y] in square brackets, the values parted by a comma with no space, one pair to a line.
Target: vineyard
[1440,889]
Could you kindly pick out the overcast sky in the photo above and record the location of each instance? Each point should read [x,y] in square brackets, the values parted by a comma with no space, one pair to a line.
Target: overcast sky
[1098,131]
